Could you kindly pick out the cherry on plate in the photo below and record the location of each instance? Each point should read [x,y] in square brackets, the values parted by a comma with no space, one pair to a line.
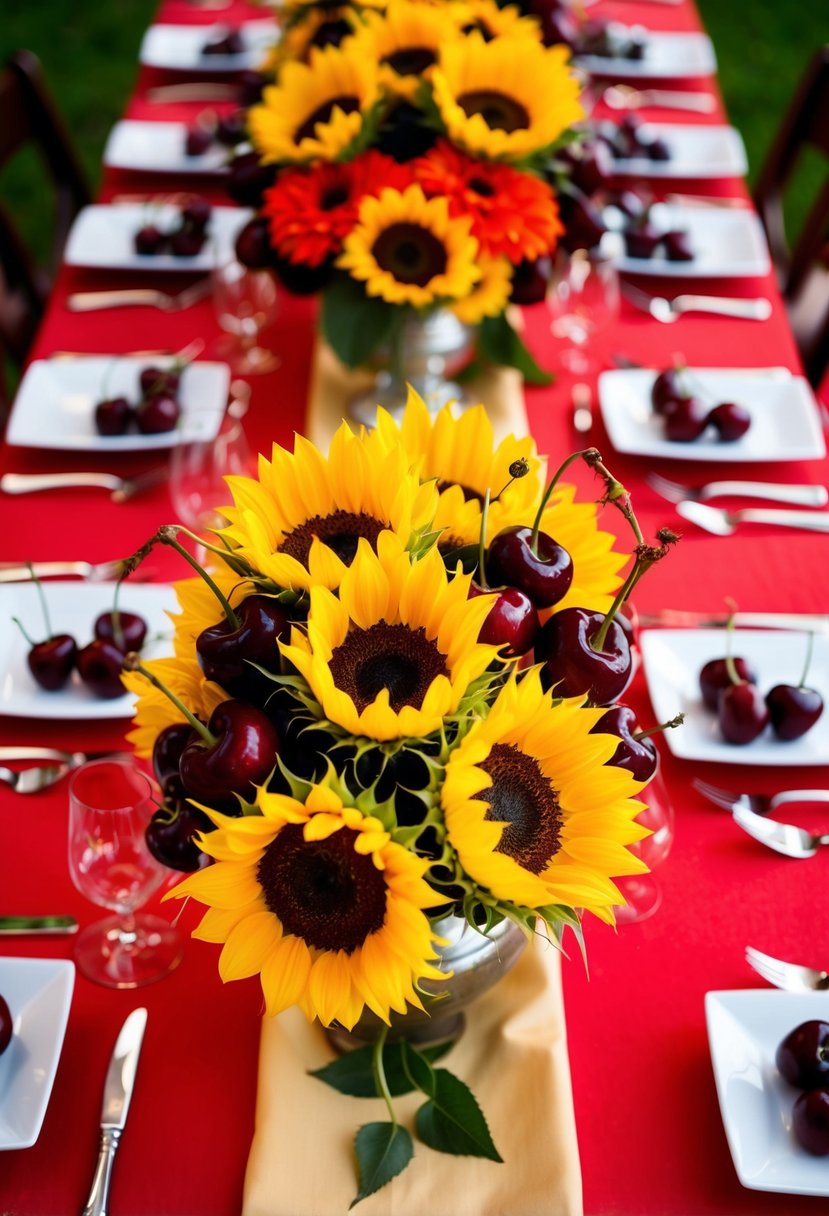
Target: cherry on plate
[802,1058]
[810,1121]
[731,420]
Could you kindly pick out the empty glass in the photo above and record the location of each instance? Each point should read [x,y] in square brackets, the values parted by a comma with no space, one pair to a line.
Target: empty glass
[642,892]
[198,470]
[245,301]
[110,804]
[583,299]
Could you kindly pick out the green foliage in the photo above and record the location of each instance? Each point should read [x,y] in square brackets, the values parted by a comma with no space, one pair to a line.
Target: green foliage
[355,324]
[383,1150]
[352,1073]
[453,1122]
[499,343]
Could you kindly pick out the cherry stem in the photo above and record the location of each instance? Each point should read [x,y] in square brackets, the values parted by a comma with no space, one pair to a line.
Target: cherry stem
[42,599]
[730,665]
[657,730]
[810,645]
[482,583]
[562,468]
[615,492]
[167,536]
[117,631]
[645,557]
[19,625]
[132,662]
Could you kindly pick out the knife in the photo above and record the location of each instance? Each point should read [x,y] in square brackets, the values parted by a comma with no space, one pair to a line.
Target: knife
[37,924]
[117,1094]
[17,572]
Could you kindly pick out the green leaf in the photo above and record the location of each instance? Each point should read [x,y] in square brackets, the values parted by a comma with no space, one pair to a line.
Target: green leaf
[501,344]
[453,1122]
[419,1070]
[352,1073]
[383,1151]
[353,323]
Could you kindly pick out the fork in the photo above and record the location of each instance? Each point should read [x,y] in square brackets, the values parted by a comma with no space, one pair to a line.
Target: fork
[760,804]
[87,301]
[790,976]
[801,496]
[725,523]
[625,97]
[33,780]
[667,311]
[121,488]
[784,838]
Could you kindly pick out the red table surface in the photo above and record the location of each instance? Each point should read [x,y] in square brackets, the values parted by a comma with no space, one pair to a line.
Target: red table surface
[650,1133]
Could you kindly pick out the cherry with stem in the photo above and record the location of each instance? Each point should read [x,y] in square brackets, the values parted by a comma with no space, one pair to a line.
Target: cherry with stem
[51,661]
[794,708]
[512,623]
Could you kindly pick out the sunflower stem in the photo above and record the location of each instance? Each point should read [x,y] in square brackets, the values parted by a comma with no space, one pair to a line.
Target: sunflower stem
[132,662]
[42,599]
[380,1073]
[482,583]
[167,536]
[571,459]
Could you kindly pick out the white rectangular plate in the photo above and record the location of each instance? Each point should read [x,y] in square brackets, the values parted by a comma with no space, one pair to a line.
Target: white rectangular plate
[55,403]
[673,658]
[179,47]
[744,1029]
[727,244]
[73,608]
[696,152]
[160,147]
[103,237]
[668,56]
[785,424]
[38,992]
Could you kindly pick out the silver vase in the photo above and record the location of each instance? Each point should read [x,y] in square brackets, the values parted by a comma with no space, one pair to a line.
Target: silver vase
[477,962]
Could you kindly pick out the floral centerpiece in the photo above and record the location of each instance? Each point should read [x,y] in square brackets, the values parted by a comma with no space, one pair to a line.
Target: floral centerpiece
[360,740]
[406,172]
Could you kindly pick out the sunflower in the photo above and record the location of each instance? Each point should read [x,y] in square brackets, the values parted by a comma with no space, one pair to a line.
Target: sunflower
[407,250]
[533,811]
[398,650]
[460,454]
[313,25]
[492,21]
[311,210]
[490,296]
[318,901]
[299,524]
[317,108]
[514,215]
[404,41]
[154,711]
[505,99]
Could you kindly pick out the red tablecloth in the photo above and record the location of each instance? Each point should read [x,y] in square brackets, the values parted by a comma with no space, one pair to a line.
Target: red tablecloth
[650,1133]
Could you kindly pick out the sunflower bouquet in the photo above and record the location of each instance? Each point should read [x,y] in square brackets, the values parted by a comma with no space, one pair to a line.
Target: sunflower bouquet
[358,738]
[403,165]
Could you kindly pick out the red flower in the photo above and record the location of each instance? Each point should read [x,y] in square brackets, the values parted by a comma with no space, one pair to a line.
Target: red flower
[514,214]
[310,211]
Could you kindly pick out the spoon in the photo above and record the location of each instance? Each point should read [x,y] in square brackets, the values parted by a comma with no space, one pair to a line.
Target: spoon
[725,523]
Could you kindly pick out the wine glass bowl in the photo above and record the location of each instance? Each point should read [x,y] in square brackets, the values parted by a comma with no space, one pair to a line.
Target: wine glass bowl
[642,892]
[198,470]
[583,299]
[245,302]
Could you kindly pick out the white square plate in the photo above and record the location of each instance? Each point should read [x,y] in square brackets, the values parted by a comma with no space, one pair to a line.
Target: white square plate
[744,1029]
[785,424]
[73,608]
[670,56]
[696,152]
[103,237]
[160,147]
[728,243]
[38,992]
[55,403]
[673,659]
[179,47]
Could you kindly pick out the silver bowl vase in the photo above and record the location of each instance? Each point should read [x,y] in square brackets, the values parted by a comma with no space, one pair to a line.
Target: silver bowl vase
[476,962]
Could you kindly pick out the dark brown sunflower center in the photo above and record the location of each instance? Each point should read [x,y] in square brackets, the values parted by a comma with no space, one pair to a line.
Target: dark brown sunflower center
[482,187]
[341,531]
[410,60]
[410,253]
[395,657]
[308,129]
[322,891]
[499,112]
[334,197]
[522,797]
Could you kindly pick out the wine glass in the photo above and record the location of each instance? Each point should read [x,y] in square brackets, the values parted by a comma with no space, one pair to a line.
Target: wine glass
[245,301]
[110,804]
[583,299]
[642,892]
[198,469]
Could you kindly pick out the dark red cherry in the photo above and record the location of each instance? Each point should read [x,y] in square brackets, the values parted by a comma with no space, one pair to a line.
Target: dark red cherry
[158,414]
[303,280]
[149,240]
[732,421]
[197,213]
[158,380]
[99,666]
[677,246]
[199,139]
[167,749]
[53,661]
[6,1025]
[531,280]
[803,1056]
[641,242]
[231,44]
[226,654]
[250,85]
[113,416]
[253,244]
[231,128]
[170,837]
[684,419]
[186,243]
[638,756]
[793,709]
[248,179]
[512,622]
[557,23]
[714,677]
[658,149]
[545,576]
[810,1121]
[243,755]
[741,713]
[668,386]
[583,222]
[127,632]
[573,667]
[589,163]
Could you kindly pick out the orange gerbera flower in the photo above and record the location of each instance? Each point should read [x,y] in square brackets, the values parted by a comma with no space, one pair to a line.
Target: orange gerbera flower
[311,211]
[514,215]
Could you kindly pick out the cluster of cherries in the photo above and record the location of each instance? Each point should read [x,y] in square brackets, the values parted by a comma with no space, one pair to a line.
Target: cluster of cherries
[632,137]
[686,417]
[185,240]
[158,409]
[729,688]
[227,129]
[802,1059]
[99,663]
[594,37]
[6,1024]
[230,42]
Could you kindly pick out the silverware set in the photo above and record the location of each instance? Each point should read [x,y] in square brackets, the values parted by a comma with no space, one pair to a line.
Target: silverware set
[121,489]
[668,311]
[150,297]
[52,766]
[626,97]
[771,491]
[749,812]
[791,976]
[725,523]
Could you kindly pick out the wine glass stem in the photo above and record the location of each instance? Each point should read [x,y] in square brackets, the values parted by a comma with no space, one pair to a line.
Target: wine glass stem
[128,932]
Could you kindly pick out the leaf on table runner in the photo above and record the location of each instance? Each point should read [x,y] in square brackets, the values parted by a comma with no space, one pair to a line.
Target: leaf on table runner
[355,324]
[419,1070]
[352,1073]
[383,1151]
[453,1122]
[499,343]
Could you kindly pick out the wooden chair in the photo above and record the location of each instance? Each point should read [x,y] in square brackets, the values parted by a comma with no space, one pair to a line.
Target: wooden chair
[28,118]
[802,264]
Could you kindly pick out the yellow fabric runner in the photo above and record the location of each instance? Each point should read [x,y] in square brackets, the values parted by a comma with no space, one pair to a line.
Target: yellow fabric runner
[513,1055]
